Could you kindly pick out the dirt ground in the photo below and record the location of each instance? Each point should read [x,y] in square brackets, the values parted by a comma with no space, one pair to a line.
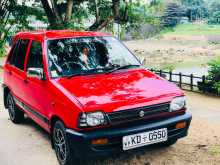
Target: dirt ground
[27,143]
[180,51]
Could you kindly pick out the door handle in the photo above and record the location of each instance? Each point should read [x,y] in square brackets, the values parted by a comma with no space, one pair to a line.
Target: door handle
[10,72]
[25,81]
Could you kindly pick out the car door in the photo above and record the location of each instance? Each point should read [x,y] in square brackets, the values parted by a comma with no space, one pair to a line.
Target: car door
[36,91]
[14,68]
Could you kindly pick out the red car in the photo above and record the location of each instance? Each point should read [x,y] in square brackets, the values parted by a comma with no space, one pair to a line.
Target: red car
[91,94]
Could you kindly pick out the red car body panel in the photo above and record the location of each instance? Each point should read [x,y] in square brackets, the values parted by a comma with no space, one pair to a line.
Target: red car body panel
[66,98]
[119,90]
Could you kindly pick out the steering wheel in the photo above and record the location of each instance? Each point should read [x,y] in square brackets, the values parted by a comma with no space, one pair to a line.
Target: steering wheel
[70,65]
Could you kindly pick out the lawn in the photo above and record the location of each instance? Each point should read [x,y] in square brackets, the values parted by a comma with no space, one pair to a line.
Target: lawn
[193,29]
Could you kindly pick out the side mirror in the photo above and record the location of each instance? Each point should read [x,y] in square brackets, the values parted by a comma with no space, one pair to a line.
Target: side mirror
[35,73]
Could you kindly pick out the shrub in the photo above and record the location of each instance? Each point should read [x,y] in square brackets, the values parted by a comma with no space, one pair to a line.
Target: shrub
[212,82]
[214,74]
[214,70]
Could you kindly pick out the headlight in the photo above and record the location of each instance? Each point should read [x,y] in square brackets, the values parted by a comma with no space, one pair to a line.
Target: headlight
[92,119]
[178,103]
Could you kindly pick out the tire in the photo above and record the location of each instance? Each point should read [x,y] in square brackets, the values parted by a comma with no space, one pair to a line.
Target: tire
[15,114]
[61,146]
[168,143]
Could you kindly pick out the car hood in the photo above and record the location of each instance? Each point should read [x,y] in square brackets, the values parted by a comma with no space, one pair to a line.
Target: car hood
[119,90]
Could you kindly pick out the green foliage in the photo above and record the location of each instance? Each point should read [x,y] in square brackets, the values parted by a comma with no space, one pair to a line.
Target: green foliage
[195,9]
[172,15]
[2,50]
[192,9]
[168,67]
[214,70]
[217,86]
[193,2]
[213,9]
[214,73]
[215,18]
[81,13]
[143,19]
[15,17]
[213,6]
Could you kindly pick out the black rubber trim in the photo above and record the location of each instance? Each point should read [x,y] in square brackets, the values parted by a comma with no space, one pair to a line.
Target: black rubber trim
[80,142]
[27,108]
[4,86]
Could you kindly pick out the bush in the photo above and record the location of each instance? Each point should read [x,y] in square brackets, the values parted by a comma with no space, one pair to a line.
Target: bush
[212,82]
[214,74]
[214,70]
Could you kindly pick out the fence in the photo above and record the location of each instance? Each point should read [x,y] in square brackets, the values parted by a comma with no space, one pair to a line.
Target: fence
[188,82]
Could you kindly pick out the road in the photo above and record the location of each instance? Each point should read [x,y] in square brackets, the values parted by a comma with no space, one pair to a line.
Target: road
[28,144]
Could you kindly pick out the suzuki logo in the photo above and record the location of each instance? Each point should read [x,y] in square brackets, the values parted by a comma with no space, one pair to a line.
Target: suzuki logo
[141,113]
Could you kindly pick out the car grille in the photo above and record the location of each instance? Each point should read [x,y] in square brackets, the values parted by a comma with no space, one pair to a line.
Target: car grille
[137,113]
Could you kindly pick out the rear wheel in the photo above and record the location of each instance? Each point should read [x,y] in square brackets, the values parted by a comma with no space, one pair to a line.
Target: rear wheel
[61,146]
[15,114]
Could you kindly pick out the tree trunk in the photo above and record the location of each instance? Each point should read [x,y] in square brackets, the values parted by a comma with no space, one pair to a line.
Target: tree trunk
[55,10]
[69,9]
[115,8]
[125,18]
[50,14]
[100,25]
[97,13]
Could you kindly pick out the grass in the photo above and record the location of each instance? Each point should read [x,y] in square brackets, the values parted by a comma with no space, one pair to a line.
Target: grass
[214,150]
[186,64]
[193,29]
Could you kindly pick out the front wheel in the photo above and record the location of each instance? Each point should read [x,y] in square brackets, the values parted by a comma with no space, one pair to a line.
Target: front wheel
[61,146]
[15,114]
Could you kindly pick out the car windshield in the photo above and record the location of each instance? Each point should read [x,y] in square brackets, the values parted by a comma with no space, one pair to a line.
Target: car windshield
[87,55]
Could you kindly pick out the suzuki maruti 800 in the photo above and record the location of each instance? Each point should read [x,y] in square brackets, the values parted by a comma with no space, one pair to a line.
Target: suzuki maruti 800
[91,94]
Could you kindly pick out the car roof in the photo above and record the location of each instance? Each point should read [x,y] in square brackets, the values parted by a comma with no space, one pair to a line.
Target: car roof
[56,34]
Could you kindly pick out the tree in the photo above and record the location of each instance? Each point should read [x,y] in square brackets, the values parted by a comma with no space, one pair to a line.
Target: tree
[195,9]
[214,11]
[60,13]
[14,17]
[172,15]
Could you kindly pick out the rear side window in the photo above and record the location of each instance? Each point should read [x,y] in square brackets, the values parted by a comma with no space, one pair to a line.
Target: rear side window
[35,59]
[12,56]
[17,57]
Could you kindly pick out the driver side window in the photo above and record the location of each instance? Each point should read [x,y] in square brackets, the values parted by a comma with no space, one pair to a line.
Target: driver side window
[35,59]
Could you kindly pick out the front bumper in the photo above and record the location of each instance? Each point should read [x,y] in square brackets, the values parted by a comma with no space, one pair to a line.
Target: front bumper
[80,142]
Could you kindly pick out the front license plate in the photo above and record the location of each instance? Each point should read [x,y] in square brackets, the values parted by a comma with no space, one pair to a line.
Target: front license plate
[145,138]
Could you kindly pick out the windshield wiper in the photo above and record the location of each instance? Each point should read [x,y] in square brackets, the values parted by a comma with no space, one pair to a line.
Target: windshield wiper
[76,74]
[123,67]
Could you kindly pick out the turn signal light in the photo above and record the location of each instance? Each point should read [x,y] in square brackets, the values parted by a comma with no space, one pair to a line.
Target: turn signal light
[102,141]
[180,125]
